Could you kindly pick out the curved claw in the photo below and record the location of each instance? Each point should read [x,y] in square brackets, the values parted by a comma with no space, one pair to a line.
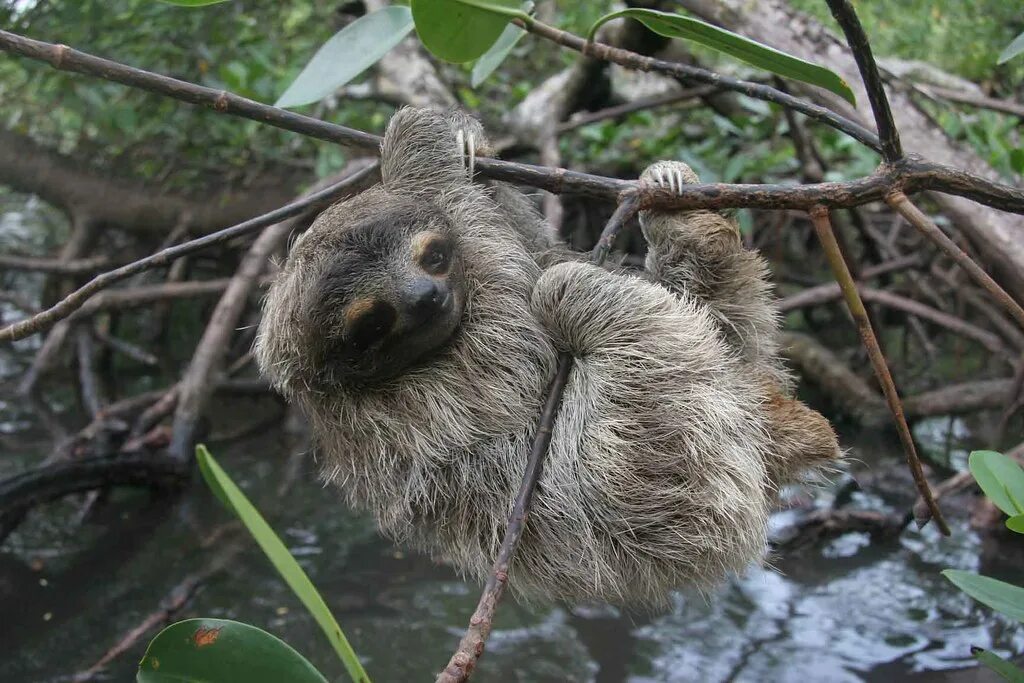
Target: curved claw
[466,142]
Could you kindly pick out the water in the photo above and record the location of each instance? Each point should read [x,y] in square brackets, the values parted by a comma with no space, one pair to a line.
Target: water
[850,610]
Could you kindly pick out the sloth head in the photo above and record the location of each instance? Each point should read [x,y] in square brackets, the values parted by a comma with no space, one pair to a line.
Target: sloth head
[369,294]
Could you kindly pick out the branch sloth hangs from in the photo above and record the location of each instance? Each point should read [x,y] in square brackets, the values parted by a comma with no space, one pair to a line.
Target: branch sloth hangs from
[418,325]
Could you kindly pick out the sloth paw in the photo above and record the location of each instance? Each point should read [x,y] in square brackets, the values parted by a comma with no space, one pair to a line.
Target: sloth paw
[671,175]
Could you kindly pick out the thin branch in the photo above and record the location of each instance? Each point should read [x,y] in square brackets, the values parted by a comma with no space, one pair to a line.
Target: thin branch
[471,647]
[1002,106]
[66,306]
[586,118]
[632,60]
[823,227]
[80,266]
[916,217]
[65,58]
[888,135]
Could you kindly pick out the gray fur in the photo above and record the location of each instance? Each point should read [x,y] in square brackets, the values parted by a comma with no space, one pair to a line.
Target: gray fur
[667,451]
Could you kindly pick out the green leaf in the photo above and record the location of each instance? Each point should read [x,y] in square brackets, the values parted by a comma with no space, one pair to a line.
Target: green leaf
[1016,523]
[999,595]
[745,49]
[233,498]
[193,3]
[493,58]
[1002,667]
[462,30]
[348,53]
[1012,50]
[222,651]
[1000,477]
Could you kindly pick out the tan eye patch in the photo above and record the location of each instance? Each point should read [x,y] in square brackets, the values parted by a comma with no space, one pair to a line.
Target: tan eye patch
[357,309]
[421,242]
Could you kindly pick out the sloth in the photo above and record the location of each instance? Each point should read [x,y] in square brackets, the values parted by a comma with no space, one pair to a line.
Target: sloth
[418,325]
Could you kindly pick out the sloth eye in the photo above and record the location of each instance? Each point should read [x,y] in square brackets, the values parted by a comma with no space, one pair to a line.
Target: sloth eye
[435,256]
[368,324]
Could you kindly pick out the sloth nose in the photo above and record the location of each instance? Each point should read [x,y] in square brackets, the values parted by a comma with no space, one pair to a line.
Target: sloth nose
[425,296]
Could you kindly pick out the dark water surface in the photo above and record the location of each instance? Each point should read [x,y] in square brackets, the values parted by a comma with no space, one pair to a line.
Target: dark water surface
[846,611]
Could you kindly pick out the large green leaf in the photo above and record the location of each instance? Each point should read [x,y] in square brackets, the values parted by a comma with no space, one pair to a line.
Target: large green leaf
[1012,50]
[193,3]
[462,30]
[232,497]
[347,54]
[493,58]
[999,595]
[754,53]
[222,651]
[1007,671]
[1001,478]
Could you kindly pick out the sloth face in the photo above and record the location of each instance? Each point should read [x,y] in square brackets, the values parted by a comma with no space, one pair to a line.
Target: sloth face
[391,295]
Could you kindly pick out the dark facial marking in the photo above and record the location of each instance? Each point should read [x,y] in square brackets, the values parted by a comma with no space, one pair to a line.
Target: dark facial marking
[368,321]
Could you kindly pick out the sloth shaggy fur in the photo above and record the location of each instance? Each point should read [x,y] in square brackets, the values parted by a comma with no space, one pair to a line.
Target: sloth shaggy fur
[676,428]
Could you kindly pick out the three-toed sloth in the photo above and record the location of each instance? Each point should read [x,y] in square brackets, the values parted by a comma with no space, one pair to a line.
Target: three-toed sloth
[418,325]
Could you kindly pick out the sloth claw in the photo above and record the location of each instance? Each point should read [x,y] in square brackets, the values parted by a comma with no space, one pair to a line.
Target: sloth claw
[466,142]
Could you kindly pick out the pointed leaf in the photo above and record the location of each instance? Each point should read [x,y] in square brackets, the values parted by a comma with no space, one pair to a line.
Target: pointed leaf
[222,651]
[1000,477]
[1007,671]
[462,30]
[1016,523]
[999,595]
[493,58]
[735,45]
[1012,50]
[233,498]
[348,53]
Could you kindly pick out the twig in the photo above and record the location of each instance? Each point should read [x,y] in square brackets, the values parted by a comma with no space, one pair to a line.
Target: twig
[87,379]
[643,104]
[888,135]
[471,647]
[67,305]
[915,217]
[824,293]
[632,60]
[58,266]
[127,349]
[823,227]
[1002,106]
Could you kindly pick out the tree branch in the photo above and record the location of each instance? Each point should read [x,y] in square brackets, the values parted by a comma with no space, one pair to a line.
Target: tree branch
[66,306]
[888,135]
[823,227]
